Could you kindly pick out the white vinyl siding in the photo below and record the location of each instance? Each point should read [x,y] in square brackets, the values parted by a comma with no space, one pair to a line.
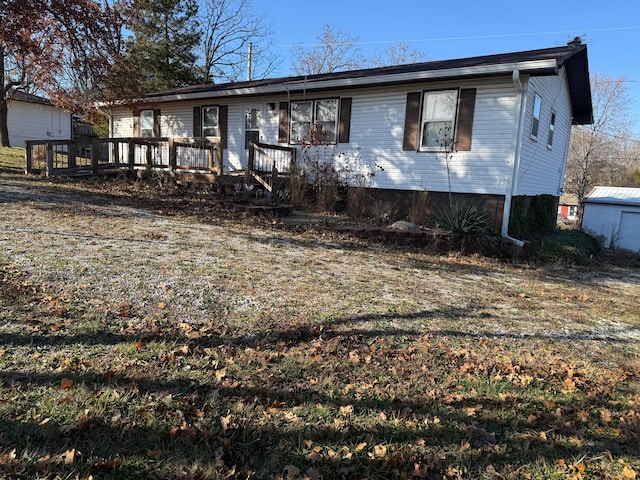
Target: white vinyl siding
[33,121]
[377,133]
[629,233]
[541,169]
[377,130]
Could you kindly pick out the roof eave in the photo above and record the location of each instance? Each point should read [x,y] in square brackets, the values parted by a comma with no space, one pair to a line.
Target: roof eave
[540,67]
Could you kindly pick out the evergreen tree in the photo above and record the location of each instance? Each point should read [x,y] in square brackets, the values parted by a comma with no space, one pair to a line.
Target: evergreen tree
[166,35]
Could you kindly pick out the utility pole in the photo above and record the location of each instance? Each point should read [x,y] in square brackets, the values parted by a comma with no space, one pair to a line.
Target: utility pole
[249,60]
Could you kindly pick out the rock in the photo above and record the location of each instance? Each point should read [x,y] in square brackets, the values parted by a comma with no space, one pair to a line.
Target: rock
[402,225]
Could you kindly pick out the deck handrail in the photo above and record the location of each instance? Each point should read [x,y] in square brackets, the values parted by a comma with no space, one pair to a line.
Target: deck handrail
[268,178]
[98,154]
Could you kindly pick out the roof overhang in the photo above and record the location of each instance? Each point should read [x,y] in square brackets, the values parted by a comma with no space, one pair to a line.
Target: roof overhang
[577,69]
[573,59]
[298,85]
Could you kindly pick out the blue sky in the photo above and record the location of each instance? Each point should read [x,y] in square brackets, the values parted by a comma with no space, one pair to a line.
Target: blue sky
[463,28]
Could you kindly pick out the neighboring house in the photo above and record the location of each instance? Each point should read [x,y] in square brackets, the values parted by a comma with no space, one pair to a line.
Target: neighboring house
[568,209]
[34,118]
[612,214]
[495,127]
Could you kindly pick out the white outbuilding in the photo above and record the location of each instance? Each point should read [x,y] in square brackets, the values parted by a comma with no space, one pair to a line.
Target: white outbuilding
[31,117]
[612,214]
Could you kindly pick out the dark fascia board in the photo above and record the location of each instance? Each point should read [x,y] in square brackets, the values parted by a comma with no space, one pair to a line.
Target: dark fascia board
[20,96]
[533,62]
[577,67]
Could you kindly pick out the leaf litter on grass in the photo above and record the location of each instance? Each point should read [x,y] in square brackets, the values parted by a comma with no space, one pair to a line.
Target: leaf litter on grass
[204,346]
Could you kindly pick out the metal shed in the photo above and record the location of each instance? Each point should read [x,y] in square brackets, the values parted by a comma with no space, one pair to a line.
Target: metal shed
[612,214]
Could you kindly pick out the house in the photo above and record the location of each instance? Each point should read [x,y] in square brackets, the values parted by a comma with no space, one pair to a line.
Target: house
[495,128]
[568,209]
[612,214]
[33,117]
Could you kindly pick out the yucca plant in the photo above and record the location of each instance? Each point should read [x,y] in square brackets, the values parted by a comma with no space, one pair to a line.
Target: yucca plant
[464,217]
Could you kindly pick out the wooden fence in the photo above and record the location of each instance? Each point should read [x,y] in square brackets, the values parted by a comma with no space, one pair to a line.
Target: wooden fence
[92,156]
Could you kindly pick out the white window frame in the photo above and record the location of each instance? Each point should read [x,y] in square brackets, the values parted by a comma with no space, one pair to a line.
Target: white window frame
[535,116]
[146,129]
[307,117]
[436,116]
[210,130]
[551,131]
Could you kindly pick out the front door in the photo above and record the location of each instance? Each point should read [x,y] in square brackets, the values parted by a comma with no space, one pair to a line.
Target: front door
[253,123]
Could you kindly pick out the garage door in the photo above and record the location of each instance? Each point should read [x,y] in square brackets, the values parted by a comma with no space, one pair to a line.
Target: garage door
[629,234]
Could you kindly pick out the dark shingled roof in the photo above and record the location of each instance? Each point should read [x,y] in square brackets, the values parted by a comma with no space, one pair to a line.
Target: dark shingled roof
[21,96]
[573,58]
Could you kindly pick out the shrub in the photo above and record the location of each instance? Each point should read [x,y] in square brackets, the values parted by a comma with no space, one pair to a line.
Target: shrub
[464,217]
[566,246]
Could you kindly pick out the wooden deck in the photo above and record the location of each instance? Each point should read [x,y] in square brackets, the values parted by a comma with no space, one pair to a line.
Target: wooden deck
[189,159]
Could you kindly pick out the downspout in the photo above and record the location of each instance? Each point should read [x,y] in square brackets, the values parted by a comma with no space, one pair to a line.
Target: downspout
[519,125]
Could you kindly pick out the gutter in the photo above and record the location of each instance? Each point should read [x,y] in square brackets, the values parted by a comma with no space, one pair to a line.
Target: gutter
[519,125]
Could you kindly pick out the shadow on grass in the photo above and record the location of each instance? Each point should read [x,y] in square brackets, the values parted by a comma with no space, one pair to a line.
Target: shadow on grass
[201,432]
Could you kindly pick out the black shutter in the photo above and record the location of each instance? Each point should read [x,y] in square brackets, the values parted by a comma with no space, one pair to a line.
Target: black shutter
[222,125]
[466,109]
[156,123]
[412,122]
[344,126]
[197,122]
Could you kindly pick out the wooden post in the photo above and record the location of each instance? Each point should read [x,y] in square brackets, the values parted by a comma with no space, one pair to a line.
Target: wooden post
[212,157]
[173,151]
[28,168]
[250,163]
[114,153]
[149,157]
[71,154]
[49,159]
[95,145]
[274,176]
[218,152]
[132,154]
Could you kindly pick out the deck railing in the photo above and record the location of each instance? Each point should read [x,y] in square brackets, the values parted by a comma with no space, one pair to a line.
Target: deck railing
[268,162]
[67,157]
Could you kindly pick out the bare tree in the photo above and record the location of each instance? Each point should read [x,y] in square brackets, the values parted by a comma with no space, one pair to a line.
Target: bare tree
[398,53]
[596,149]
[337,51]
[229,27]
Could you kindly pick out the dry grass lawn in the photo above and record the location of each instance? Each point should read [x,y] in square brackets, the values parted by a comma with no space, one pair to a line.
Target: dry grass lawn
[148,332]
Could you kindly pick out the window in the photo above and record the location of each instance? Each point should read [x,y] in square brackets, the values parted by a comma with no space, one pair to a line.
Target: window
[252,121]
[438,117]
[314,117]
[535,121]
[210,122]
[552,126]
[146,123]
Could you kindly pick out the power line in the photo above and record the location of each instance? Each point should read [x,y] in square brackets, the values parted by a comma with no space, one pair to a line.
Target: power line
[470,37]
